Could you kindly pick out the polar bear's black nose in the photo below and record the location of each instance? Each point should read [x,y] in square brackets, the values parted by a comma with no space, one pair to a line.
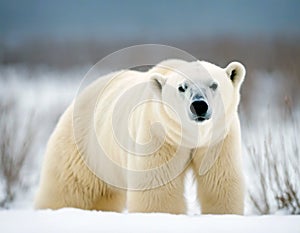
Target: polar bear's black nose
[199,108]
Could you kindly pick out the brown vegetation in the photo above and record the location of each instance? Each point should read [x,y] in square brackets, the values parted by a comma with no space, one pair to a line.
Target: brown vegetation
[16,142]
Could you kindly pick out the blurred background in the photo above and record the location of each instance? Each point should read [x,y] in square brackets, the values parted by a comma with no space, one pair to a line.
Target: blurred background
[46,48]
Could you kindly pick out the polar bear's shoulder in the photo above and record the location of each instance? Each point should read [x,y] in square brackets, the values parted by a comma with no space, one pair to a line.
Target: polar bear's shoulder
[166,66]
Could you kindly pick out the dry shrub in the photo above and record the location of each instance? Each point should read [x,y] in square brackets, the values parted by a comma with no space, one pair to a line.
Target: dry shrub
[276,168]
[16,142]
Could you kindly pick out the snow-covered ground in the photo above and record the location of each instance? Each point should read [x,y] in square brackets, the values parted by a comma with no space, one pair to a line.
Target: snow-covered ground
[74,220]
[47,92]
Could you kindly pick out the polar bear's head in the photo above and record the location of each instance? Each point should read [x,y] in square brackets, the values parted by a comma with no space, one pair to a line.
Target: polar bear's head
[200,97]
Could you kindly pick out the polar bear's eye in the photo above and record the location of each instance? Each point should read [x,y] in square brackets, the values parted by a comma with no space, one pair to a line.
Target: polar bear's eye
[213,86]
[182,87]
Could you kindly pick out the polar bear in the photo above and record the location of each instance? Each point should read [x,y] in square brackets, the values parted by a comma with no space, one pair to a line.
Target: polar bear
[129,138]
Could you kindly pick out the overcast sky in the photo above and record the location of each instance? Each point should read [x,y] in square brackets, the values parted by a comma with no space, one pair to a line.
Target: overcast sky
[80,19]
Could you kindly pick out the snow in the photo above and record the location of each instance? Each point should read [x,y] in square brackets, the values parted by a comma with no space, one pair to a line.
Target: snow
[46,92]
[75,220]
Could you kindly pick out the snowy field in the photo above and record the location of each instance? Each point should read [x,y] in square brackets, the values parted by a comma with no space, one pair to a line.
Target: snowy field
[74,220]
[38,97]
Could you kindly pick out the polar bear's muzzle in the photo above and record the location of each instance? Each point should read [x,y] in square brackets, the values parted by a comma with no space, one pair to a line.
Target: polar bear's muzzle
[200,110]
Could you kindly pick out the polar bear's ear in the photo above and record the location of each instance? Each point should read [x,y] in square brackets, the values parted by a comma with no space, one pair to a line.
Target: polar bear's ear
[236,72]
[159,80]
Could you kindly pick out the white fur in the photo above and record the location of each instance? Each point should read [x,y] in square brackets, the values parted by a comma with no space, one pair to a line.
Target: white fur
[140,123]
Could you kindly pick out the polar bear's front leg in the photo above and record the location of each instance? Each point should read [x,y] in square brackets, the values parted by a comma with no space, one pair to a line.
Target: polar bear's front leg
[168,198]
[221,188]
[221,194]
[163,181]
